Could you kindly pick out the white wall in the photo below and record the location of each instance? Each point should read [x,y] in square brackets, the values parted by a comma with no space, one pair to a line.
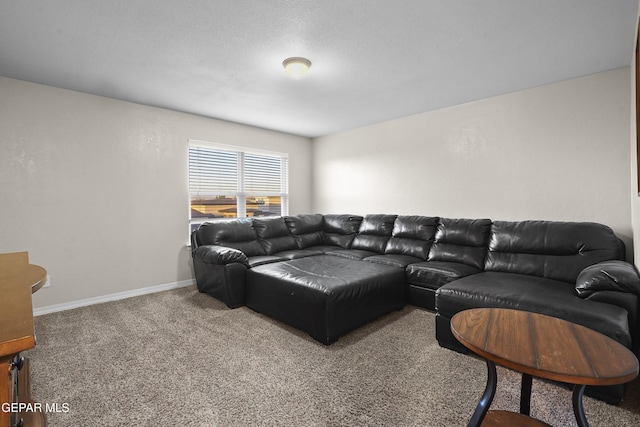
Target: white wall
[556,152]
[96,189]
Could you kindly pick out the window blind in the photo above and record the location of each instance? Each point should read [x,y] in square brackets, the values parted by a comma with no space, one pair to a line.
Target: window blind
[264,174]
[212,172]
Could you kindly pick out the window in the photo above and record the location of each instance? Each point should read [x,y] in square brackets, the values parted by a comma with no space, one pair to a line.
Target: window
[230,182]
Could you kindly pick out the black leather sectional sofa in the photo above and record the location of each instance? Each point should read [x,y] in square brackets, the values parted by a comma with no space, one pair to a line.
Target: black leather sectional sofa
[329,274]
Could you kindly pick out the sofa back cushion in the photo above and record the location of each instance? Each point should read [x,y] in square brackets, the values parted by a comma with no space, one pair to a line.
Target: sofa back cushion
[273,235]
[550,249]
[237,233]
[461,240]
[374,233]
[412,235]
[306,229]
[339,230]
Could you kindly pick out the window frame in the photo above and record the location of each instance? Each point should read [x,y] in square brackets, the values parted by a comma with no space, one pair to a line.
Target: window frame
[241,194]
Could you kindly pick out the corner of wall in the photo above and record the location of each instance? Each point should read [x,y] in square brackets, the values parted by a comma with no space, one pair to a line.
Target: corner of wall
[635,198]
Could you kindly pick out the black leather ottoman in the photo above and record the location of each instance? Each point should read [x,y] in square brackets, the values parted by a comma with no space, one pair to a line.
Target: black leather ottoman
[325,296]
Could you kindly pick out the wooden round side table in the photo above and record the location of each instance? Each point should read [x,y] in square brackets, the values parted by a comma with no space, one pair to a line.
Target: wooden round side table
[539,346]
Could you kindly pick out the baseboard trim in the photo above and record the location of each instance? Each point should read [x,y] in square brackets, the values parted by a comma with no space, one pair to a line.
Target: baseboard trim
[111,297]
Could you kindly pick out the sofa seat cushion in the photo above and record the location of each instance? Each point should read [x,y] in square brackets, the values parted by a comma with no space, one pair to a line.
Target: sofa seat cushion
[536,294]
[325,296]
[310,251]
[433,274]
[255,261]
[298,253]
[356,254]
[322,248]
[396,260]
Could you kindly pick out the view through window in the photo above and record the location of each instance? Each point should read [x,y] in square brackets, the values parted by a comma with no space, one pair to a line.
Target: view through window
[229,183]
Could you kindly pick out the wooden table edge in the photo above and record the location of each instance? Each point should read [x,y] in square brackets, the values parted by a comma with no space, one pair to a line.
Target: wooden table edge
[37,275]
[549,375]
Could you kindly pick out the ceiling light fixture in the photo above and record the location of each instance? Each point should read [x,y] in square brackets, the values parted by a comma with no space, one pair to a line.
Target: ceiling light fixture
[296,67]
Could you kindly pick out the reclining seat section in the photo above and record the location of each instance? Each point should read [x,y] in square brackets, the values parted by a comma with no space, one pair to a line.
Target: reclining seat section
[410,241]
[309,233]
[373,234]
[305,235]
[533,266]
[221,252]
[459,250]
[274,237]
[549,255]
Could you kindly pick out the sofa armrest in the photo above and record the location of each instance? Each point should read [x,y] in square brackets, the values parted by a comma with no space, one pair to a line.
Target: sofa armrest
[616,276]
[221,255]
[621,299]
[631,303]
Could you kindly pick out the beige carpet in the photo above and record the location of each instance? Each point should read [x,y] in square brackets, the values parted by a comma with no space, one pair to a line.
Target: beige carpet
[180,358]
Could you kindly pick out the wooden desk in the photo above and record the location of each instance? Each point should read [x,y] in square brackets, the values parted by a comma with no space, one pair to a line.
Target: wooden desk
[17,278]
[544,347]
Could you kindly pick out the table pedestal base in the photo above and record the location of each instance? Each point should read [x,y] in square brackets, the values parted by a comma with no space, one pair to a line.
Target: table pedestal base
[487,397]
[483,417]
[578,408]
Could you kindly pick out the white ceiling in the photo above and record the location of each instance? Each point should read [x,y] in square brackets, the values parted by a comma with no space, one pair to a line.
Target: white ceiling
[373,60]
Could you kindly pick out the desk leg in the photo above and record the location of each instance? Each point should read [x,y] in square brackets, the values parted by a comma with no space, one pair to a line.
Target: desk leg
[525,394]
[578,408]
[487,397]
